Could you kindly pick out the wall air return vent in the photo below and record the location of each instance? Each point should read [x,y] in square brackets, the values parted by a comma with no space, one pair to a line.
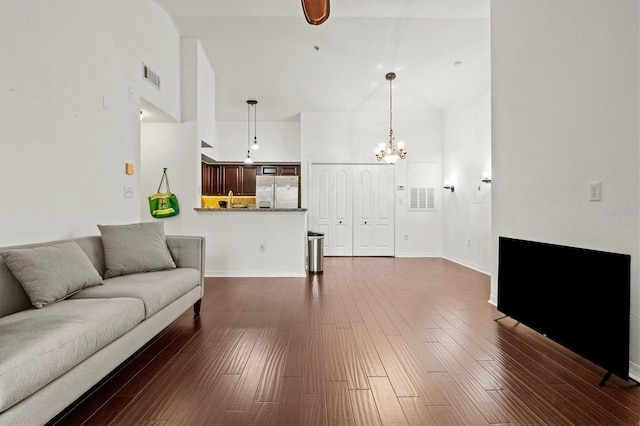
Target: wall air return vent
[421,198]
[150,76]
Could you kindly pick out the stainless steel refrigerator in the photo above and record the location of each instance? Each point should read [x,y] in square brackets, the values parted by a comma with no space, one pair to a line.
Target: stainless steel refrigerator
[277,192]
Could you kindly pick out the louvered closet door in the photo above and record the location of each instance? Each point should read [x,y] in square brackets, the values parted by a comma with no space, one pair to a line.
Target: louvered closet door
[373,224]
[331,207]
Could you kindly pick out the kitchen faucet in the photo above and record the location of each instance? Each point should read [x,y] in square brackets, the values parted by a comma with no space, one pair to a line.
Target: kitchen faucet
[230,198]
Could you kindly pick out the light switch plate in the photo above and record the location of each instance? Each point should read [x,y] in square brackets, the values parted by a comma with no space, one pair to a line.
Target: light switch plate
[595,191]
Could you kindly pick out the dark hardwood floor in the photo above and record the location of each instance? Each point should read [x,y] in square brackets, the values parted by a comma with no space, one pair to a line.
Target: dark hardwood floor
[370,341]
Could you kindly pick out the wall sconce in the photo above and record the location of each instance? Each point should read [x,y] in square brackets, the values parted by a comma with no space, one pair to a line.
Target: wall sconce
[449,186]
[486,176]
[486,180]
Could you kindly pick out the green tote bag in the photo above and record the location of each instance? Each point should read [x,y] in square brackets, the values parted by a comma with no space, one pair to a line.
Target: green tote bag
[163,204]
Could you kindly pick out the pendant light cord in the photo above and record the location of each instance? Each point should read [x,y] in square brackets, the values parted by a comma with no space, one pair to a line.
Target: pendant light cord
[248,126]
[390,77]
[255,126]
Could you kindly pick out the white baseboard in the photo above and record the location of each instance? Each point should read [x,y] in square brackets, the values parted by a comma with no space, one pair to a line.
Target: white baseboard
[478,268]
[417,254]
[254,274]
[634,371]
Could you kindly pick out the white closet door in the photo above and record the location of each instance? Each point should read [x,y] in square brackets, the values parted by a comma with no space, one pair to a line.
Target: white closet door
[373,212]
[331,207]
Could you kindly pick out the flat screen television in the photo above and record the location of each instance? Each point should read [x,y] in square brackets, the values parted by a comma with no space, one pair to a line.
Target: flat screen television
[577,297]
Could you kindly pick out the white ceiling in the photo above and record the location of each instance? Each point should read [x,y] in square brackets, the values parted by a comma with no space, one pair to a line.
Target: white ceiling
[265,50]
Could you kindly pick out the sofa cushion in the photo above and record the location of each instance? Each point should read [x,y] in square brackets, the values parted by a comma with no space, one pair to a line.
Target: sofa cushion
[51,273]
[156,289]
[39,345]
[133,248]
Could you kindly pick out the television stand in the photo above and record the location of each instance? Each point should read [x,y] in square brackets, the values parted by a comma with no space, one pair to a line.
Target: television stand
[605,378]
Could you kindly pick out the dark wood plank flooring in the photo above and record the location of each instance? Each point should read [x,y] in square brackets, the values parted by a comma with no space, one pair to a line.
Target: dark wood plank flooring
[371,341]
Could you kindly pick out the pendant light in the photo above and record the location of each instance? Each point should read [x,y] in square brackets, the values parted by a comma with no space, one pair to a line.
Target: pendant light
[391,152]
[248,160]
[255,120]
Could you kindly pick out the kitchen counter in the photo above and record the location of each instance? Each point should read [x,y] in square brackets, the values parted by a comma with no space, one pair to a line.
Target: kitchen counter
[246,209]
[251,242]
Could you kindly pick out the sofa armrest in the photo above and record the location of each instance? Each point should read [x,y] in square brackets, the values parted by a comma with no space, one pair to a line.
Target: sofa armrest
[188,252]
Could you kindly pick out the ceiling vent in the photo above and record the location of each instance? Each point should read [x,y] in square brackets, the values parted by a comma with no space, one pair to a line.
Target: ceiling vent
[150,76]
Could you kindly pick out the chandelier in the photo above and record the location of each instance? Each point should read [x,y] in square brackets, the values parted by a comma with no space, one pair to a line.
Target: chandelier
[391,152]
[251,103]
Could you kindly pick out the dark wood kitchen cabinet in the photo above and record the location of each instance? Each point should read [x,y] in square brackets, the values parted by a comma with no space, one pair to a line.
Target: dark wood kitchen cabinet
[211,179]
[279,170]
[219,179]
[249,180]
[240,179]
[231,179]
[290,170]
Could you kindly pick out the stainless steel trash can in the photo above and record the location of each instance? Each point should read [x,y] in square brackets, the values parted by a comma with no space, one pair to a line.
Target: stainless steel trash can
[315,243]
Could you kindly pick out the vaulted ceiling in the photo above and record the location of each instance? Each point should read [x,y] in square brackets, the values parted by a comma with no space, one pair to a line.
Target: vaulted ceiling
[266,50]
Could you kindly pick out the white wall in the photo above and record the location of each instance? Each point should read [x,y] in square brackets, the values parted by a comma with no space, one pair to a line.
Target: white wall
[232,238]
[466,224]
[171,146]
[176,146]
[279,141]
[353,137]
[565,78]
[70,83]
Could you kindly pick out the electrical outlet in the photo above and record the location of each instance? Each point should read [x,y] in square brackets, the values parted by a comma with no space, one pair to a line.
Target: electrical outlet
[128,192]
[406,237]
[261,248]
[468,243]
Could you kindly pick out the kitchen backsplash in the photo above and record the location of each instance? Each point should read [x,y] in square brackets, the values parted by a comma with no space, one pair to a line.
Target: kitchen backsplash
[211,201]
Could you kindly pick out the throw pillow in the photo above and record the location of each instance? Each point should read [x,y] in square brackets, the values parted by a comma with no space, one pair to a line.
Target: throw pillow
[51,273]
[133,248]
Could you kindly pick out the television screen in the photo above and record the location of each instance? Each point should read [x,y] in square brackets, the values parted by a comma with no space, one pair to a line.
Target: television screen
[577,297]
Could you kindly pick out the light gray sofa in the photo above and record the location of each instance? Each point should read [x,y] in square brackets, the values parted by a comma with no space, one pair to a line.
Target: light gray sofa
[51,356]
